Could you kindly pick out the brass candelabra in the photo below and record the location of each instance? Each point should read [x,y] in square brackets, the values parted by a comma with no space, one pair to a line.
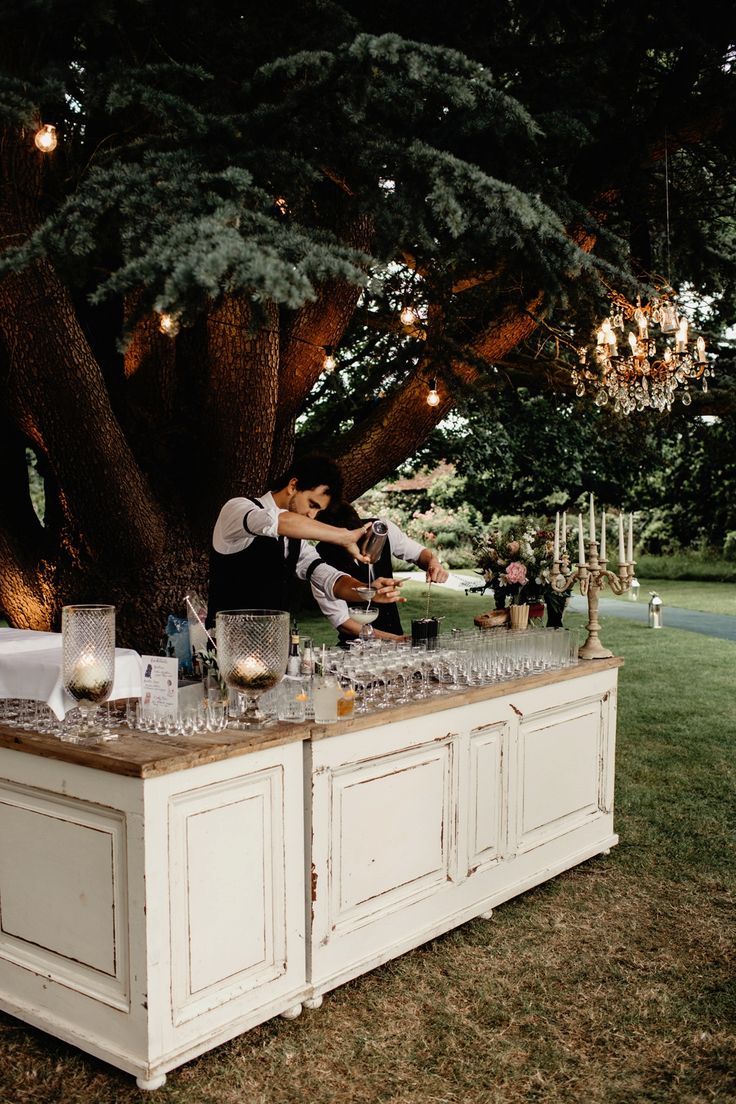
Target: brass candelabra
[592,576]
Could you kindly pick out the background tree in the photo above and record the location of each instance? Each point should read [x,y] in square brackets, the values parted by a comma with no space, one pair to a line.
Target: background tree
[280,180]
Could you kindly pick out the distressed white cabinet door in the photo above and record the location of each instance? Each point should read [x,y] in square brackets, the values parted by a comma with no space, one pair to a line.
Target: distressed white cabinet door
[235,892]
[562,764]
[383,839]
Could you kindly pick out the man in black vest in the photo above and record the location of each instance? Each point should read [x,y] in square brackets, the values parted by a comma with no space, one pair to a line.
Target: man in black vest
[387,625]
[259,545]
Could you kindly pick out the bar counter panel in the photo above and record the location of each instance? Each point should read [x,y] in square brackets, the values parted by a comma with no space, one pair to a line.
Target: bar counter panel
[159,896]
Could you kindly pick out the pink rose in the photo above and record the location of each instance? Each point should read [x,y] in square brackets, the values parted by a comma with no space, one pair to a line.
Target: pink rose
[516,572]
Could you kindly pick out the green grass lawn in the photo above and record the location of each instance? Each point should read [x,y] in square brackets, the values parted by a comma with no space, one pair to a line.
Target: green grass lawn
[706,596]
[611,984]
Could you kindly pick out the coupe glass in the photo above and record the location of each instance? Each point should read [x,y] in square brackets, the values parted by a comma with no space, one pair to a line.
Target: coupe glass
[88,665]
[365,616]
[252,650]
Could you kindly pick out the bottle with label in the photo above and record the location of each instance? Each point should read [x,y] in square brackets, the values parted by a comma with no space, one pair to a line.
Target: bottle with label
[291,695]
[307,672]
[293,664]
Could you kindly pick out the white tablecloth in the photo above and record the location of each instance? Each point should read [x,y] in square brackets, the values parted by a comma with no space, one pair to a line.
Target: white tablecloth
[30,667]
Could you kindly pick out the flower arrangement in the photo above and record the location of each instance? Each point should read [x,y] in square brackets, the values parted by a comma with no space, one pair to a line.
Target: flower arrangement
[515,560]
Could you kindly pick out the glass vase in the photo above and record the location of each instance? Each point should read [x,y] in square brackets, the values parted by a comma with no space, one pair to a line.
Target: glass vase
[88,665]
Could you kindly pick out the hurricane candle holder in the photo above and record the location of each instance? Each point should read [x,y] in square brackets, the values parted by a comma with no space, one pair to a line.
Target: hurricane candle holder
[88,665]
[252,650]
[592,575]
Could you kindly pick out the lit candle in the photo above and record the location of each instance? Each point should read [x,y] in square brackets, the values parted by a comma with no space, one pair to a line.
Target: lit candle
[88,673]
[581,556]
[556,553]
[681,339]
[592,519]
[250,673]
[631,539]
[621,549]
[603,535]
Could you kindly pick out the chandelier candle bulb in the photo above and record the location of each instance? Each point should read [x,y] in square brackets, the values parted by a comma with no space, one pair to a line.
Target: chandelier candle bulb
[700,346]
[603,536]
[681,339]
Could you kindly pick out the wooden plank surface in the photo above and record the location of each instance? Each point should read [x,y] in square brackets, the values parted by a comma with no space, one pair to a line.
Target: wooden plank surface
[146,755]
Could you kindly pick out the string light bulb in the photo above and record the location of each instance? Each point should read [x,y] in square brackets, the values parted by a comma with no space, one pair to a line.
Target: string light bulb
[433,398]
[45,138]
[408,316]
[329,363]
[169,324]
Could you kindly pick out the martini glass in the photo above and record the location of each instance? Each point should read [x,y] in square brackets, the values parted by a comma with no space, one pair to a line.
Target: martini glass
[365,616]
[252,650]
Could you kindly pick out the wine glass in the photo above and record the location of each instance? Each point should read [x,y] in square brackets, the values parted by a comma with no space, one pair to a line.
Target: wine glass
[252,650]
[88,665]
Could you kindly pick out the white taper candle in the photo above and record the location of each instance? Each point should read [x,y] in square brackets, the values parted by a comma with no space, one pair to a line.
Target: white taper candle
[581,542]
[621,549]
[630,558]
[592,518]
[603,536]
[556,553]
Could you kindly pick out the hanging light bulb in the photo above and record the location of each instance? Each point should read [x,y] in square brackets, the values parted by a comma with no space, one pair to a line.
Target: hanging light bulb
[433,398]
[409,316]
[169,324]
[45,138]
[329,363]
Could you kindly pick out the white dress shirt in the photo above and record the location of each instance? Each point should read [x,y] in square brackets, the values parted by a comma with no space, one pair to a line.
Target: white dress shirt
[239,521]
[402,547]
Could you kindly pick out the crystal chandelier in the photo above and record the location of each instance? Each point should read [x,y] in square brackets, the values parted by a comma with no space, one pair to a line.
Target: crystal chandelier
[657,363]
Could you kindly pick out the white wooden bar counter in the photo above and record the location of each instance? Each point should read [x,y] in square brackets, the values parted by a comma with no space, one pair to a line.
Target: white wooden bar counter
[158,897]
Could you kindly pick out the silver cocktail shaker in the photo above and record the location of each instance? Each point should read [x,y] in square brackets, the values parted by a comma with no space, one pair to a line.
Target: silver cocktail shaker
[372,542]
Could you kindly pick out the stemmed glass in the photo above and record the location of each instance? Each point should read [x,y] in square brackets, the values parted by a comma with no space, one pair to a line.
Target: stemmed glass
[88,664]
[252,650]
[365,616]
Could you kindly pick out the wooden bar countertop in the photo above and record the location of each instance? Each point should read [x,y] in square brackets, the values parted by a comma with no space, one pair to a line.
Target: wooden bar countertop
[147,755]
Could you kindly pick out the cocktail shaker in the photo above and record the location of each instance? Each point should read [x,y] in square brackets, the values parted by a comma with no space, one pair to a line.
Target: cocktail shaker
[424,632]
[372,542]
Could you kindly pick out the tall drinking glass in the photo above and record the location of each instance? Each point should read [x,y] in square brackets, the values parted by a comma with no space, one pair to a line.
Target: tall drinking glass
[88,664]
[252,650]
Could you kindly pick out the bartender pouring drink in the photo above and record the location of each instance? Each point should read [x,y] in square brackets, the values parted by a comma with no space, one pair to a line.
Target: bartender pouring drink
[398,545]
[259,545]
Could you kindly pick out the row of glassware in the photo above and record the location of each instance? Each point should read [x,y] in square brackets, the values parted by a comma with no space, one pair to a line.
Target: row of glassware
[360,679]
[381,675]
